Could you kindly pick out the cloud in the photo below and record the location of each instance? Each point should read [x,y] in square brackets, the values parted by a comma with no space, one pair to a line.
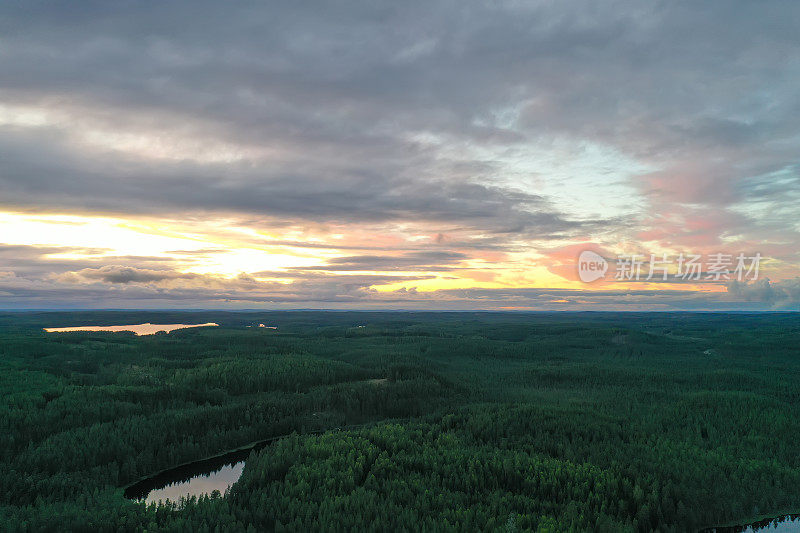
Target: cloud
[120,286]
[321,97]
[469,127]
[439,261]
[779,295]
[126,274]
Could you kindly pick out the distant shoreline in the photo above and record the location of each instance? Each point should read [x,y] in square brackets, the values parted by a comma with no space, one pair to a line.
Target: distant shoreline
[137,329]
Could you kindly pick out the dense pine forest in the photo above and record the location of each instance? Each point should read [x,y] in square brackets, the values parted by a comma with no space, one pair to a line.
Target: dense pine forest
[404,421]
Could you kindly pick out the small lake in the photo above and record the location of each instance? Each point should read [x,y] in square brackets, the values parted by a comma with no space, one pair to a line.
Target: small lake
[197,478]
[138,329]
[193,479]
[206,475]
[782,524]
[220,480]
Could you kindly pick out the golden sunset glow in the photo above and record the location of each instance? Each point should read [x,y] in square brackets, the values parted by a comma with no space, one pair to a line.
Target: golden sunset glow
[170,253]
[355,175]
[396,266]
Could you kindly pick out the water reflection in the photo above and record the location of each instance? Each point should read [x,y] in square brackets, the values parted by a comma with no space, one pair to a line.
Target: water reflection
[196,478]
[782,524]
[138,329]
[201,484]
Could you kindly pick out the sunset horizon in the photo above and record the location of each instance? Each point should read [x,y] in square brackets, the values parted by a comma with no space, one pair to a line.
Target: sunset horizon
[319,159]
[447,265]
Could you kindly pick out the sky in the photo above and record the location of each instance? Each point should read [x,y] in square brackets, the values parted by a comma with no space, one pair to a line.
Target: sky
[398,155]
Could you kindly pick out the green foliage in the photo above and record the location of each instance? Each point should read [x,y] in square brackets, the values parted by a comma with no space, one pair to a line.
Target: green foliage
[496,422]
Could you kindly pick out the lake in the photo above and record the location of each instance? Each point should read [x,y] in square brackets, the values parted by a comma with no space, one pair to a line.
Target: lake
[198,485]
[203,476]
[193,479]
[782,524]
[138,329]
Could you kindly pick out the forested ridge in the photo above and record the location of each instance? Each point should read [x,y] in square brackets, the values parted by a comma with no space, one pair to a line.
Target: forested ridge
[481,421]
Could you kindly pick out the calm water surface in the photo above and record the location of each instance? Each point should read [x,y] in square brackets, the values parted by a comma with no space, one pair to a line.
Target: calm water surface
[782,524]
[200,477]
[198,485]
[138,329]
[196,478]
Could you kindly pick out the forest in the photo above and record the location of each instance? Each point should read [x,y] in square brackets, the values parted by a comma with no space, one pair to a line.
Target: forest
[403,421]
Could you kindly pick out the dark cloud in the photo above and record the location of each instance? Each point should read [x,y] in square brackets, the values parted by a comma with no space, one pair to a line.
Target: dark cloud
[332,291]
[40,174]
[778,295]
[126,274]
[413,112]
[426,260]
[338,95]
[128,286]
[36,262]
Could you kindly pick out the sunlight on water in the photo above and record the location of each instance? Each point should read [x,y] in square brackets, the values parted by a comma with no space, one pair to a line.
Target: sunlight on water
[138,329]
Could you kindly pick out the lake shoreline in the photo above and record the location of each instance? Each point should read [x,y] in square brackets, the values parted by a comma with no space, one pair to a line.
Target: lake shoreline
[741,524]
[227,456]
[146,328]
